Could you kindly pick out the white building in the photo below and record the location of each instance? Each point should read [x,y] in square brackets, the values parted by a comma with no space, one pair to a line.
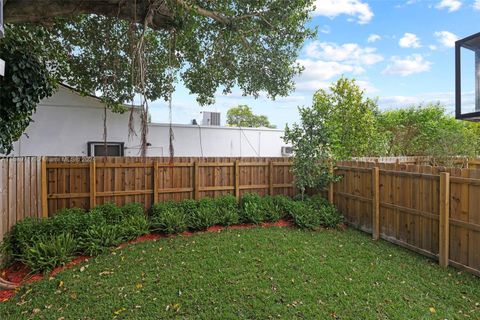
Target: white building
[69,124]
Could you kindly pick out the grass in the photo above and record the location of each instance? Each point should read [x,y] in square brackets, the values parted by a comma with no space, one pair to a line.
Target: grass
[256,273]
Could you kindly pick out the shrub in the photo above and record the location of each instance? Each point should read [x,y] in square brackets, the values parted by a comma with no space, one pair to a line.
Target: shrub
[74,220]
[204,216]
[134,226]
[168,219]
[305,216]
[272,211]
[47,252]
[227,210]
[252,208]
[99,238]
[284,205]
[330,217]
[22,235]
[159,208]
[109,211]
[133,209]
[188,206]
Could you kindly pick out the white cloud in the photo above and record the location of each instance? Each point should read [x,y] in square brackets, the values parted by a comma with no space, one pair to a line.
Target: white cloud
[445,98]
[476,5]
[374,37]
[325,29]
[349,53]
[409,40]
[333,8]
[319,73]
[446,38]
[451,5]
[432,47]
[407,66]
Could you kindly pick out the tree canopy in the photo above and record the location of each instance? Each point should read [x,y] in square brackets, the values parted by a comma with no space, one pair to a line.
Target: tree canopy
[427,131]
[122,49]
[242,116]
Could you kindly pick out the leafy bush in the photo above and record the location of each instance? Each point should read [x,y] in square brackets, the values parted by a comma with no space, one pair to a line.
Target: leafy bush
[22,235]
[272,211]
[188,206]
[284,205]
[227,210]
[134,226]
[252,208]
[329,215]
[110,212]
[169,220]
[305,216]
[48,252]
[74,221]
[98,238]
[133,209]
[204,216]
[159,208]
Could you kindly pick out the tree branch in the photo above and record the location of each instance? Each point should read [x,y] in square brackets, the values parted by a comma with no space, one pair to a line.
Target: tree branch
[44,11]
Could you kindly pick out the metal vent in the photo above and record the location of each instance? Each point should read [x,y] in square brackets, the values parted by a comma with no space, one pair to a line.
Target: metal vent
[287,151]
[211,118]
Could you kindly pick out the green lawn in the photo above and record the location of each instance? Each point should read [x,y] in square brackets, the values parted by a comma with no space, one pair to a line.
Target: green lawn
[253,274]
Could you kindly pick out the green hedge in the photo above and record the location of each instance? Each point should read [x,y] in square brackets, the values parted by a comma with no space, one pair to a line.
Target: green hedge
[43,244]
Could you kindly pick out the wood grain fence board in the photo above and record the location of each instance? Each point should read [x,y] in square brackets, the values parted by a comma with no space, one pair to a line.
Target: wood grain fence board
[474,217]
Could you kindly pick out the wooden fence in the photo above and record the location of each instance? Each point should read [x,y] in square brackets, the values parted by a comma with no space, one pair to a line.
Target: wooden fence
[40,186]
[434,211]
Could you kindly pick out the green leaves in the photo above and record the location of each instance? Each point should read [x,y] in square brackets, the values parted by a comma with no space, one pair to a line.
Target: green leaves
[242,116]
[27,80]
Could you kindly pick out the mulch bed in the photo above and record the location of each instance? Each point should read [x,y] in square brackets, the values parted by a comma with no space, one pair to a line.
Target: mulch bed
[20,274]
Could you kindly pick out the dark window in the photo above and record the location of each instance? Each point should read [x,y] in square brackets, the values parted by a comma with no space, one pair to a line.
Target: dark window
[113,149]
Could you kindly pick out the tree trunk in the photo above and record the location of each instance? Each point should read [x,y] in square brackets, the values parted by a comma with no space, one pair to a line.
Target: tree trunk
[44,11]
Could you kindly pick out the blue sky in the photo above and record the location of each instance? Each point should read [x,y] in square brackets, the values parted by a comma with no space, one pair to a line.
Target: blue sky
[399,51]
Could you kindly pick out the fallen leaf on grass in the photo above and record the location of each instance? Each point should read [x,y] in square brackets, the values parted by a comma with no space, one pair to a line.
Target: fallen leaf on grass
[119,311]
[432,310]
[139,286]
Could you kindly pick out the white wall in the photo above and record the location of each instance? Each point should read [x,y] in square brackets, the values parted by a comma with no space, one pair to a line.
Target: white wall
[209,141]
[64,123]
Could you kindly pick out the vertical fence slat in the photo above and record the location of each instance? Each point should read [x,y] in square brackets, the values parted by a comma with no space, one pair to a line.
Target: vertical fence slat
[196,181]
[155,181]
[93,184]
[443,252]
[376,203]
[44,190]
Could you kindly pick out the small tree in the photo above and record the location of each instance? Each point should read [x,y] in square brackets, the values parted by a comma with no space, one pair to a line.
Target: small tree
[340,124]
[312,153]
[242,116]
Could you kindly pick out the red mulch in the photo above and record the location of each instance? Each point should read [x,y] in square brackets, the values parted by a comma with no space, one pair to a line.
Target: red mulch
[19,273]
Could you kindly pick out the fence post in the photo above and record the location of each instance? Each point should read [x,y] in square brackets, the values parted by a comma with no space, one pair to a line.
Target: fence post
[93,184]
[270,178]
[44,198]
[155,182]
[376,203]
[330,186]
[444,224]
[196,181]
[237,180]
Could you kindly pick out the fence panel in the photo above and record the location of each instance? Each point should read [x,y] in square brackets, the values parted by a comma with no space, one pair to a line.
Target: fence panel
[20,190]
[82,182]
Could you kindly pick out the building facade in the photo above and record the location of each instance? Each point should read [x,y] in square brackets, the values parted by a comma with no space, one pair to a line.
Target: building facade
[69,124]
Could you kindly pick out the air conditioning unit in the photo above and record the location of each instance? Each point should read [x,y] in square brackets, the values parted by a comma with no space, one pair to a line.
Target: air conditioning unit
[211,118]
[287,151]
